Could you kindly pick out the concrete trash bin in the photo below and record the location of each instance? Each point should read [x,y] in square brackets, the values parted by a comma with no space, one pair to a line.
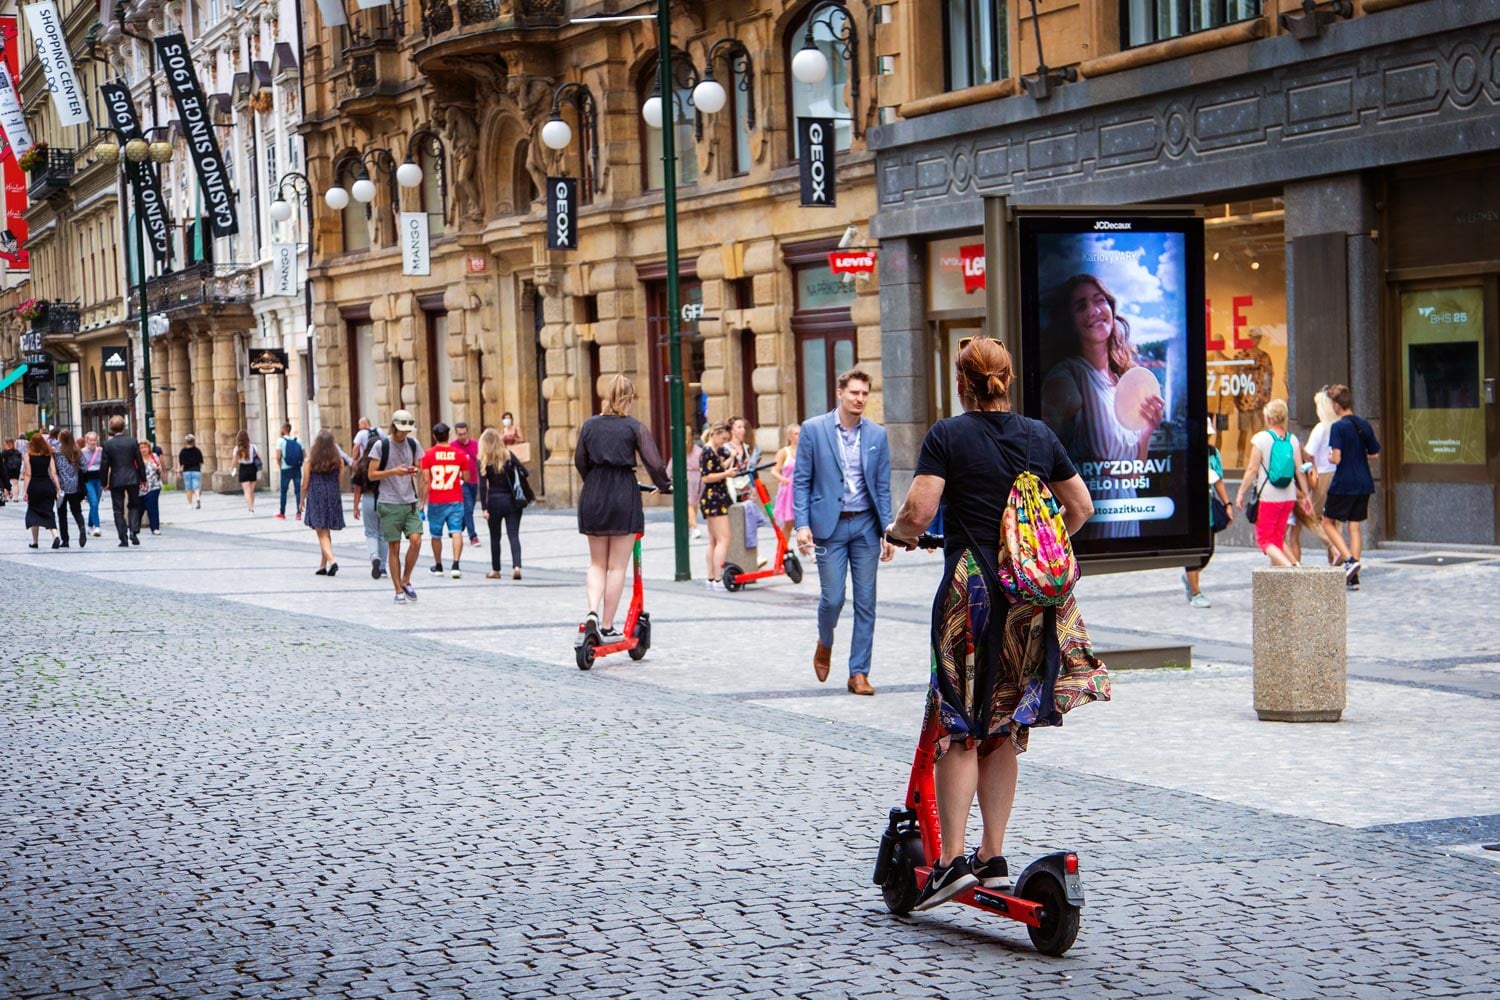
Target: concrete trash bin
[738,555]
[1301,643]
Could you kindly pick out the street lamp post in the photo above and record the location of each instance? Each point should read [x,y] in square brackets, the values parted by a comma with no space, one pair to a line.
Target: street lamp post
[138,150]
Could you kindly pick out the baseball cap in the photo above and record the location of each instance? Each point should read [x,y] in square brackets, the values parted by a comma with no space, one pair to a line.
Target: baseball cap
[402,420]
[190,438]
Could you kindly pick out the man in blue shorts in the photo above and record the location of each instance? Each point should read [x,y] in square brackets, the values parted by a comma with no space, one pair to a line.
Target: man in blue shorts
[1351,445]
[445,468]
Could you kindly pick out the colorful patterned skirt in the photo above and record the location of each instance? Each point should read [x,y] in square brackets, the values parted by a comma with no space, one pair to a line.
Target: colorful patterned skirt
[992,680]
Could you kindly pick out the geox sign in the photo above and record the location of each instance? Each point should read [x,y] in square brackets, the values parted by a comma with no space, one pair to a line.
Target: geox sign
[213,176]
[817,141]
[143,177]
[562,213]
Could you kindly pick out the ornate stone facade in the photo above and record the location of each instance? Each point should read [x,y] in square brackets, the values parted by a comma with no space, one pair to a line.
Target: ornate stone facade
[502,324]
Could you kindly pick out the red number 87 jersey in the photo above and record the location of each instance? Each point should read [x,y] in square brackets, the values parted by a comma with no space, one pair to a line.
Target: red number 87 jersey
[445,465]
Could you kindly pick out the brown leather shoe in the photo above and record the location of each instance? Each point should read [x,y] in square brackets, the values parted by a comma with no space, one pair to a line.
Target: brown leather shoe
[860,684]
[822,658]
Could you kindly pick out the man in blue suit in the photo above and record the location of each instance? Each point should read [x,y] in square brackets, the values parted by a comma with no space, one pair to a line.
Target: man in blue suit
[841,496]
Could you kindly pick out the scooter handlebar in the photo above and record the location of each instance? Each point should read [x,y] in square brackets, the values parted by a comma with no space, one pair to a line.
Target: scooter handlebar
[651,488]
[926,540]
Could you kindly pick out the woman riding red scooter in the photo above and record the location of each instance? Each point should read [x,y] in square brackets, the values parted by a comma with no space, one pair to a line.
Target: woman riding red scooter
[985,649]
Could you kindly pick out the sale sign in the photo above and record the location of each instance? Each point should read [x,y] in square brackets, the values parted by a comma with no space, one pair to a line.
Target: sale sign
[852,261]
[971,259]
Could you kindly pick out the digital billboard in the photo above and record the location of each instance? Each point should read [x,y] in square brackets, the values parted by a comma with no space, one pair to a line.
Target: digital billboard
[1112,359]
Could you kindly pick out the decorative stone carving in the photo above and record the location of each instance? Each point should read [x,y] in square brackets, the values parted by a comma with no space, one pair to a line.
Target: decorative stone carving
[463,144]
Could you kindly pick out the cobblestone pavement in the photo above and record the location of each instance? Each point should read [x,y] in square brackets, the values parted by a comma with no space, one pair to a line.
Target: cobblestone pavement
[226,777]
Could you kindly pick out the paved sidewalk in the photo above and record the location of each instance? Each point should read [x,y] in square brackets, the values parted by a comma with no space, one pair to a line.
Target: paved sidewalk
[229,777]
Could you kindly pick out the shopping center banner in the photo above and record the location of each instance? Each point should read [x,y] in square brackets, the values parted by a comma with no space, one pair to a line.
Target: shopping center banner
[51,40]
[17,140]
[144,180]
[562,212]
[416,252]
[817,142]
[333,13]
[187,94]
[1113,360]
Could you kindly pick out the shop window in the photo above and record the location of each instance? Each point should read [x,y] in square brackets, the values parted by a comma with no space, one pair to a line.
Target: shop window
[360,349]
[1245,321]
[1442,376]
[824,333]
[975,42]
[439,368]
[829,97]
[695,404]
[355,217]
[1146,21]
[683,114]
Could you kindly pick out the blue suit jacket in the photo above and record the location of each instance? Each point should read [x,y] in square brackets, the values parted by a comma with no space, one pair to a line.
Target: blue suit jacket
[818,480]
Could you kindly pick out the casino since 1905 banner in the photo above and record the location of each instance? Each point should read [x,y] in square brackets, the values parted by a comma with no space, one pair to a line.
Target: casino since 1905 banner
[18,140]
[208,161]
[144,180]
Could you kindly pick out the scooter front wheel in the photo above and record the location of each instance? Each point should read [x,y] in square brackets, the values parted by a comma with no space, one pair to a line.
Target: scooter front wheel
[793,567]
[584,652]
[732,578]
[1059,917]
[900,889]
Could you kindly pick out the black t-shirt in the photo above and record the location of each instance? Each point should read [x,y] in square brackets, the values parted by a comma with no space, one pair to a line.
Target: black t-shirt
[979,455]
[190,459]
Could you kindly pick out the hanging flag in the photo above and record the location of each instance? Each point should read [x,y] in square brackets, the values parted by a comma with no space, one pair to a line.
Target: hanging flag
[369,4]
[18,139]
[562,213]
[817,142]
[333,13]
[144,180]
[51,40]
[416,256]
[192,108]
[283,268]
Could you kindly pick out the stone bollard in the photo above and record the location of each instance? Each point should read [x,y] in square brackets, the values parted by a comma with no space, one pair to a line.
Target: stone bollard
[1301,644]
[738,555]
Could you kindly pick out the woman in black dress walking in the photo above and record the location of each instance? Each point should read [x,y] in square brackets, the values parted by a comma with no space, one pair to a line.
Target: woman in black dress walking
[322,507]
[609,505]
[40,488]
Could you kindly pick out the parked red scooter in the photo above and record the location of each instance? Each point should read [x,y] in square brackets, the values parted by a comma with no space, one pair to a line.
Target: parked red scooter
[1047,896]
[785,562]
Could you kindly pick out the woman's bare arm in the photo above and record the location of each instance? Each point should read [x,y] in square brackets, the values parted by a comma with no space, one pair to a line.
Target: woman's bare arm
[919,507]
[1077,505]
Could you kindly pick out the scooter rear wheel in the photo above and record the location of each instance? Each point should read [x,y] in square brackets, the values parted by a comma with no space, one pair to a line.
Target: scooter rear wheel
[900,890]
[1059,917]
[584,652]
[732,578]
[793,567]
[643,638]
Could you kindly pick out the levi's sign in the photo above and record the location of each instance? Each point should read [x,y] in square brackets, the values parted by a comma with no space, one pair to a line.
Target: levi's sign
[971,260]
[852,262]
[144,180]
[187,94]
[816,140]
[562,212]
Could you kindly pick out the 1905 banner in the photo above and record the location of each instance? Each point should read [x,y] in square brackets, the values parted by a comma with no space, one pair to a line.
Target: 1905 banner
[187,94]
[144,180]
[15,233]
[51,38]
[1113,360]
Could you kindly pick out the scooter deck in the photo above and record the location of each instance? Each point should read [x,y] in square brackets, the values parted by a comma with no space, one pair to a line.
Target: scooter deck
[994,901]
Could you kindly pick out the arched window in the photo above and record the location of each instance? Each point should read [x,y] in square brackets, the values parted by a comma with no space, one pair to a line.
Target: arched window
[683,115]
[355,216]
[523,189]
[434,187]
[832,34]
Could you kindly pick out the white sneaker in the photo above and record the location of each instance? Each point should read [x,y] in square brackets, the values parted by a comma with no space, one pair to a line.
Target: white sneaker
[697,532]
[96,532]
[456,574]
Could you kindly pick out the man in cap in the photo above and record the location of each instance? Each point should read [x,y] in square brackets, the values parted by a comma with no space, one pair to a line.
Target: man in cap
[395,471]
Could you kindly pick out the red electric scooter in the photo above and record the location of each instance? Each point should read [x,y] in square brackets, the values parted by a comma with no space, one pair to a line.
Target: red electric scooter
[1047,896]
[635,637]
[785,562]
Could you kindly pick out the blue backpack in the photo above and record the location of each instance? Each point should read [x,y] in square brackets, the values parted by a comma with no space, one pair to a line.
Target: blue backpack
[291,451]
[1281,469]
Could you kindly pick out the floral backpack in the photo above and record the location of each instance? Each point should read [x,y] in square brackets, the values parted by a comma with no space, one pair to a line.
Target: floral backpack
[1036,556]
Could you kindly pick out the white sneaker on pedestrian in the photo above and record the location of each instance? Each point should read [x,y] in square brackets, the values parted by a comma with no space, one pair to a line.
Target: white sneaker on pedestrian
[1199,601]
[96,532]
[456,574]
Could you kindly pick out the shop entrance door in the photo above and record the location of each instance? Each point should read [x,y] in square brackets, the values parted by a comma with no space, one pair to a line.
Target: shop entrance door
[947,334]
[694,403]
[1448,404]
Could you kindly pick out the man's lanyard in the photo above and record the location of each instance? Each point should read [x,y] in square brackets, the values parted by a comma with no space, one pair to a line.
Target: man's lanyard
[844,457]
